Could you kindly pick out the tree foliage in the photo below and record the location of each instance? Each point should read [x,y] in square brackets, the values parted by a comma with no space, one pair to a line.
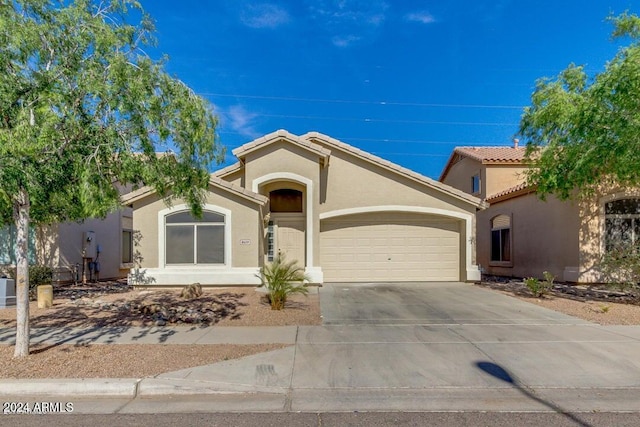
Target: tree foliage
[82,107]
[584,131]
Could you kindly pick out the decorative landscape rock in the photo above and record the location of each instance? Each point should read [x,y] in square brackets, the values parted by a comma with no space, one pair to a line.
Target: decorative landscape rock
[191,291]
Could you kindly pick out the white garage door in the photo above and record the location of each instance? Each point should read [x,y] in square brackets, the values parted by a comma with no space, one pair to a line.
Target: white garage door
[389,247]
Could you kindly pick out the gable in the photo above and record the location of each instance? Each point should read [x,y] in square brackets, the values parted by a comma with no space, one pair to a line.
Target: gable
[393,171]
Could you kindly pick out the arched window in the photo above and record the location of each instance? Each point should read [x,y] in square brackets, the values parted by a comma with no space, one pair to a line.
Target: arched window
[285,200]
[190,240]
[501,239]
[622,223]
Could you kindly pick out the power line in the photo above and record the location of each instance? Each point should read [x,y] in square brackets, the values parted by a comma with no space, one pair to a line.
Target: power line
[369,120]
[347,101]
[401,141]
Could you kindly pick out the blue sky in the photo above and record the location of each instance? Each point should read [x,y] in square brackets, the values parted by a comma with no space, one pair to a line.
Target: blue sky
[405,80]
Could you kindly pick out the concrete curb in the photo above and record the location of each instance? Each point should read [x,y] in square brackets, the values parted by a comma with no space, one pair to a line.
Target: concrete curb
[81,387]
[153,387]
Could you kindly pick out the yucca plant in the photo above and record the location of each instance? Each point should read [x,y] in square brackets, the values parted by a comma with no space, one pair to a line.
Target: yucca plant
[281,279]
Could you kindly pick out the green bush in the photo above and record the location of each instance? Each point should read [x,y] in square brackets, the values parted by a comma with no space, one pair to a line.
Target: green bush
[38,275]
[620,266]
[540,288]
[281,279]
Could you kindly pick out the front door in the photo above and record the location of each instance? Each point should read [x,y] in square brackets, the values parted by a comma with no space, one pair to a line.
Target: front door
[290,239]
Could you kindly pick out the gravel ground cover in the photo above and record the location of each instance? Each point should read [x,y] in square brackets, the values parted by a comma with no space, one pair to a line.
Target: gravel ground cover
[117,304]
[595,303]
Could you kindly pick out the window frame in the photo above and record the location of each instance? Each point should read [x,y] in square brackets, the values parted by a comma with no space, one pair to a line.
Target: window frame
[475,179]
[126,263]
[634,218]
[501,230]
[162,238]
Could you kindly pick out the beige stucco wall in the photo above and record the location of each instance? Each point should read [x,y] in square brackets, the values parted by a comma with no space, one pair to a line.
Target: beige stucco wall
[108,234]
[235,178]
[460,173]
[494,178]
[592,227]
[352,182]
[245,225]
[282,158]
[544,236]
[501,177]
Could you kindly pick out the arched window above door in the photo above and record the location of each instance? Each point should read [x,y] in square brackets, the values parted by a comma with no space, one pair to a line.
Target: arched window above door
[285,200]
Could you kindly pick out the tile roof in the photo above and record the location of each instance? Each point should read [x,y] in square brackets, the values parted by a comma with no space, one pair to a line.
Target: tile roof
[228,170]
[504,154]
[143,192]
[243,150]
[517,190]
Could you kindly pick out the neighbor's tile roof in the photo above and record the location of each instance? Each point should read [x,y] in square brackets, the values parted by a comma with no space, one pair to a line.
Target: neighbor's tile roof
[504,154]
[517,190]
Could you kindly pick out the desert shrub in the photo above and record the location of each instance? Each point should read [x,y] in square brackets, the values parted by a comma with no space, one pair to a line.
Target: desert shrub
[281,279]
[540,288]
[38,274]
[620,266]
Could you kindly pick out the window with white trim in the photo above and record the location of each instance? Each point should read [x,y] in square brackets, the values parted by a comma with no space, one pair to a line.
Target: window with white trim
[501,239]
[271,245]
[622,223]
[190,240]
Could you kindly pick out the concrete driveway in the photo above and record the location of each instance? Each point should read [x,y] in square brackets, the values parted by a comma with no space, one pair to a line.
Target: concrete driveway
[433,347]
[429,303]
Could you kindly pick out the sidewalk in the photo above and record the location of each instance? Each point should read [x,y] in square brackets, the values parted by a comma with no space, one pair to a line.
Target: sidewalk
[202,381]
[543,367]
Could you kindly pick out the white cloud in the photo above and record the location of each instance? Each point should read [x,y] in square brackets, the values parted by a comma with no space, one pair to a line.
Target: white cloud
[239,120]
[349,21]
[421,17]
[345,41]
[264,15]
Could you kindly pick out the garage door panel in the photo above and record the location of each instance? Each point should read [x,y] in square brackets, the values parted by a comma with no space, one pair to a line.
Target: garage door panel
[407,248]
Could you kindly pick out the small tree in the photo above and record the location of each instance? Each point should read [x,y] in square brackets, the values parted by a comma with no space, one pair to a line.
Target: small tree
[281,279]
[582,131]
[83,107]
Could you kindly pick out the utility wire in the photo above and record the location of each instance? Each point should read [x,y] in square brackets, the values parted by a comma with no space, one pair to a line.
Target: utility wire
[348,101]
[368,120]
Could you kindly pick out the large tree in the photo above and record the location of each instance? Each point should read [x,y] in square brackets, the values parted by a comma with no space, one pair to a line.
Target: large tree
[584,131]
[82,107]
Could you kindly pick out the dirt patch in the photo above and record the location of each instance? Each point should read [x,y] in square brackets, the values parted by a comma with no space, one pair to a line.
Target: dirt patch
[595,303]
[118,360]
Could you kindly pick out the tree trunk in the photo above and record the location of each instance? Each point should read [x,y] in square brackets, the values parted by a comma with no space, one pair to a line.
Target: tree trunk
[21,217]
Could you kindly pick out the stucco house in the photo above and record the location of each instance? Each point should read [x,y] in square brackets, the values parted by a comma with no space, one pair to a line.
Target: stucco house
[69,247]
[342,213]
[520,235]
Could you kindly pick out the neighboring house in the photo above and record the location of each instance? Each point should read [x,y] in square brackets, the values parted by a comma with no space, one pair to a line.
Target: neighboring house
[69,247]
[520,235]
[345,215]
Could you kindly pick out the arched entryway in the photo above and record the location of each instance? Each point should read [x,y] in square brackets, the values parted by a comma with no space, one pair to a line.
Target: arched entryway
[291,225]
[286,225]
